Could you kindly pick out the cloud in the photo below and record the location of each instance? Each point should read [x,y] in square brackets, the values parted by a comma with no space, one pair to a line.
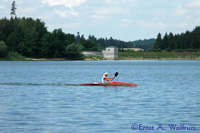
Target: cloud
[28,10]
[120,2]
[117,7]
[101,18]
[194,4]
[161,25]
[66,3]
[126,22]
[109,10]
[2,6]
[152,24]
[198,13]
[62,14]
[182,24]
[73,25]
[179,11]
[197,22]
[65,14]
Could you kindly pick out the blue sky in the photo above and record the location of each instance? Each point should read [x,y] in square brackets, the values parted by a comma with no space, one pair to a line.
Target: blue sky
[127,20]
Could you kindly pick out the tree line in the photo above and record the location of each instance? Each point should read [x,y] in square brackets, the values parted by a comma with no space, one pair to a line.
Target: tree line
[105,42]
[31,38]
[187,40]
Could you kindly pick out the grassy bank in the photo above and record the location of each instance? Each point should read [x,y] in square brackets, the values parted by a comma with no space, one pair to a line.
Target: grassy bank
[14,56]
[159,55]
[93,57]
[128,55]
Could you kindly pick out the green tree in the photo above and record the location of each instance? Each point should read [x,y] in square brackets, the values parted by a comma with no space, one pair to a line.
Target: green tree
[88,45]
[165,43]
[74,51]
[13,9]
[3,49]
[158,42]
[46,50]
[171,41]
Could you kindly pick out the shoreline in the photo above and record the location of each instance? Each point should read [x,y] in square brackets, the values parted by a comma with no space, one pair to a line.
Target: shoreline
[88,59]
[198,58]
[122,56]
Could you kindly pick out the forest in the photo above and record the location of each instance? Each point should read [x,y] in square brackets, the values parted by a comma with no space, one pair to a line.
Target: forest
[31,38]
[190,40]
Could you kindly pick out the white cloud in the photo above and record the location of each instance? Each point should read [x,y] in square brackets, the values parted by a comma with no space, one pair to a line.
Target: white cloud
[120,2]
[100,18]
[62,14]
[45,16]
[65,14]
[152,24]
[28,10]
[198,13]
[197,22]
[108,10]
[73,25]
[2,6]
[160,13]
[126,22]
[194,4]
[179,11]
[182,24]
[66,3]
[161,25]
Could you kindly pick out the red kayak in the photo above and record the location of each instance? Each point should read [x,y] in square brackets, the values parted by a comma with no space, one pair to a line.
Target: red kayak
[109,84]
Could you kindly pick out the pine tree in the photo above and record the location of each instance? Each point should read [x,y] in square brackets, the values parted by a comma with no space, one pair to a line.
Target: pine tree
[165,43]
[171,41]
[158,42]
[13,9]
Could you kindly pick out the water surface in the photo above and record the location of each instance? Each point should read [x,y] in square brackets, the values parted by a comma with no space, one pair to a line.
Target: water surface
[33,97]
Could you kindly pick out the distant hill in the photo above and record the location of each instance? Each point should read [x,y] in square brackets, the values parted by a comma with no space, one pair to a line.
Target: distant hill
[144,44]
[104,42]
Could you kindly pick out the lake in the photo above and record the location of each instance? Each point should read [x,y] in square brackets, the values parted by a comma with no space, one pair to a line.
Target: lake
[33,97]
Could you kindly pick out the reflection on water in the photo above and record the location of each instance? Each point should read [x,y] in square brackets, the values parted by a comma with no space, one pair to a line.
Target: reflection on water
[33,97]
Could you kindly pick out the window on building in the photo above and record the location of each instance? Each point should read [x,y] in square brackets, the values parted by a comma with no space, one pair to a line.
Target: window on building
[108,49]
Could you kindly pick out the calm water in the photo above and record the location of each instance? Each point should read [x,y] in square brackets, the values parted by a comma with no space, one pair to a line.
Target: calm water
[34,99]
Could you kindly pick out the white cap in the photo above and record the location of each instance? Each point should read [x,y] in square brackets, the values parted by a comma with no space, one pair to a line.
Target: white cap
[105,73]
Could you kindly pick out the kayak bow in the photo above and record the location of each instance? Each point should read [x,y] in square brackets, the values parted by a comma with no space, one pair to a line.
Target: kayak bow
[109,84]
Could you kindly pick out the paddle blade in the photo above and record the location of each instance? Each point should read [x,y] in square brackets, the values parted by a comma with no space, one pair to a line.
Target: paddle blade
[116,74]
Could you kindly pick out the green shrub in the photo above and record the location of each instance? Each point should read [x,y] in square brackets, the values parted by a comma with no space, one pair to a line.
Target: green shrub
[3,49]
[179,50]
[168,50]
[74,51]
[191,50]
[156,50]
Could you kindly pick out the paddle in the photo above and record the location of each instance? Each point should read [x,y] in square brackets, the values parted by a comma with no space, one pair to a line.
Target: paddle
[116,74]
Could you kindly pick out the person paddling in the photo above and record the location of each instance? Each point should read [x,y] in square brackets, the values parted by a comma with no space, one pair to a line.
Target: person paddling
[105,78]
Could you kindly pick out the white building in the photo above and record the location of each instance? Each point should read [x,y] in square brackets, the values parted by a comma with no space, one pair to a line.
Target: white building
[111,53]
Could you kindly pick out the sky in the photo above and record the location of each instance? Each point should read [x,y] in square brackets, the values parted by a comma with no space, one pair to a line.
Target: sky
[126,20]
